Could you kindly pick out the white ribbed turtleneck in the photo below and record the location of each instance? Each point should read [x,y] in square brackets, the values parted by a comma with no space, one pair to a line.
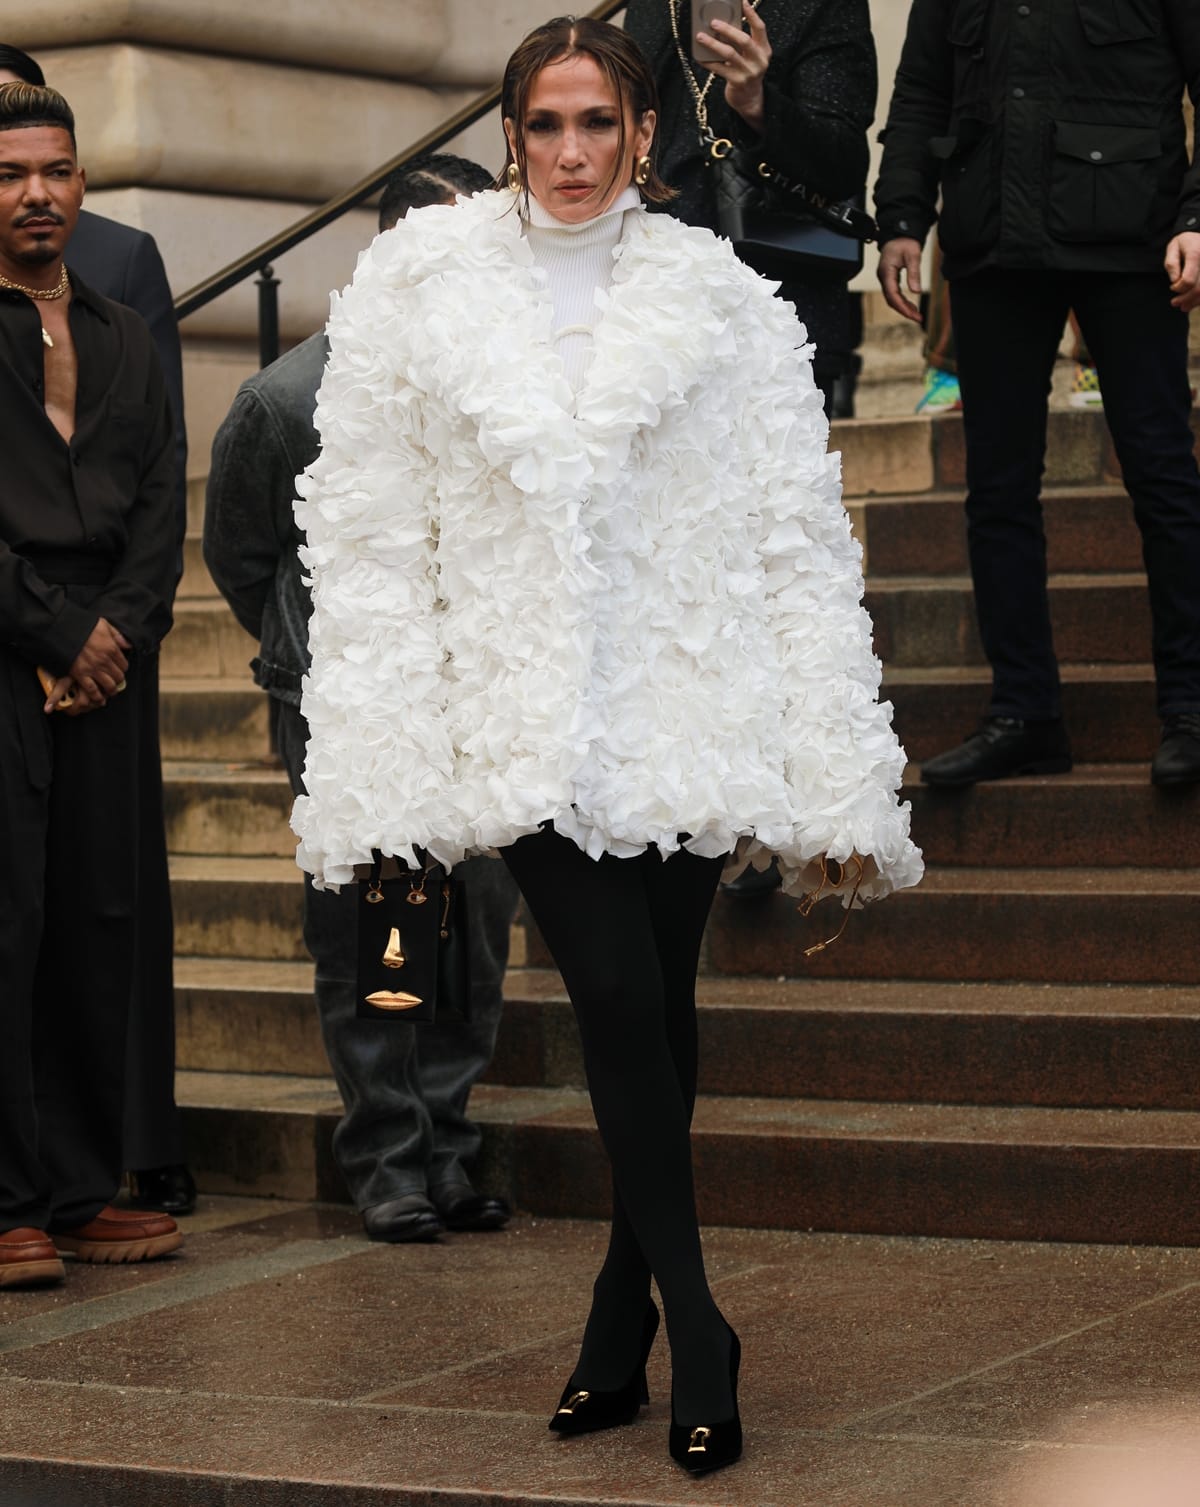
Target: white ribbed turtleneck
[577,261]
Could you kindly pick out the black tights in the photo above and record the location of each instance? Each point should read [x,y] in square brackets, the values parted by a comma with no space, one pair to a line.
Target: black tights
[625,934]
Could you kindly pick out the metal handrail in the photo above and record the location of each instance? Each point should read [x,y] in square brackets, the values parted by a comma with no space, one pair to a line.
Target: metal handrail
[259,260]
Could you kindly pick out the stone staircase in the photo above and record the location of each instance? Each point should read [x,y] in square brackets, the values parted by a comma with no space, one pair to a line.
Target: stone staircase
[1012,1050]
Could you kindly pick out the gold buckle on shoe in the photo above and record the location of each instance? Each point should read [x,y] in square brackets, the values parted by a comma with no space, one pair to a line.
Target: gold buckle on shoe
[699,1444]
[568,1408]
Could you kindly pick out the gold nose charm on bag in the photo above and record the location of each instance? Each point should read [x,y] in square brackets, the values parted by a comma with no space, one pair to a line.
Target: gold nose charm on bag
[393,953]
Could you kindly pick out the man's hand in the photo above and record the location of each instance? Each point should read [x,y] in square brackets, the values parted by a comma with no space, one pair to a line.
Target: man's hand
[743,61]
[1182,262]
[79,703]
[901,255]
[100,666]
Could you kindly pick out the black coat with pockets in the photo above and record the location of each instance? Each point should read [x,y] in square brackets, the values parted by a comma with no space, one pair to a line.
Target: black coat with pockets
[1054,129]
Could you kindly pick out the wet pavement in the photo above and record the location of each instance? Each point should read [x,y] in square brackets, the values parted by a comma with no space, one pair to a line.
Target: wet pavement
[281,1358]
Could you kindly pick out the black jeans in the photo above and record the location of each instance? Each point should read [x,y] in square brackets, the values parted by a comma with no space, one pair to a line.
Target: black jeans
[1007,327]
[404,1087]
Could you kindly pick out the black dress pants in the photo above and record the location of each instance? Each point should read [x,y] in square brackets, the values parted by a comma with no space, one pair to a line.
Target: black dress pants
[68,892]
[153,1133]
[1007,326]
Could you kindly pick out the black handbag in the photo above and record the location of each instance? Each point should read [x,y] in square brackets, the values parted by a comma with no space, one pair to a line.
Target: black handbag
[779,228]
[775,225]
[412,943]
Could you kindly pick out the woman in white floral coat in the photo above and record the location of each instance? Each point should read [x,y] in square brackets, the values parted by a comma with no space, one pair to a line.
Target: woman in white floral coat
[585,593]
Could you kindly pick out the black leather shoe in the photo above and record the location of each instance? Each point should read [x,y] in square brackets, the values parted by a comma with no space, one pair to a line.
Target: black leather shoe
[462,1208]
[752,882]
[581,1411]
[710,1446]
[1003,747]
[1177,761]
[172,1190]
[402,1220]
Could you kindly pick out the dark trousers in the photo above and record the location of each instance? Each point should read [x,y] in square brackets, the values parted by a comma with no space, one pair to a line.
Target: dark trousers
[153,1136]
[626,934]
[68,892]
[404,1087]
[1007,328]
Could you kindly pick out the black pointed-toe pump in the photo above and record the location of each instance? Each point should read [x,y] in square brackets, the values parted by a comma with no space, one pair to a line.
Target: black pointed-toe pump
[583,1411]
[710,1447]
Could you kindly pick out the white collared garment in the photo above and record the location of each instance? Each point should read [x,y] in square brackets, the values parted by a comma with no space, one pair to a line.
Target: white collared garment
[578,262]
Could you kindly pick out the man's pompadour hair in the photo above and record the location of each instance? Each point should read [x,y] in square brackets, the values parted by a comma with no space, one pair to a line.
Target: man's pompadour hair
[24,106]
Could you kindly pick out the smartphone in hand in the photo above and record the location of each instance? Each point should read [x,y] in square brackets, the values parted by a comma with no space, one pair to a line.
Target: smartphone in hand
[704,13]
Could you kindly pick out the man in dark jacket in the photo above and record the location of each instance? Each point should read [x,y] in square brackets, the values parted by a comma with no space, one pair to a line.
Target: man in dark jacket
[1055,131]
[86,580]
[404,1142]
[124,264]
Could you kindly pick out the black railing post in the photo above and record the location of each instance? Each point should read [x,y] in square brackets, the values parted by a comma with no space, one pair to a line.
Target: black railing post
[268,316]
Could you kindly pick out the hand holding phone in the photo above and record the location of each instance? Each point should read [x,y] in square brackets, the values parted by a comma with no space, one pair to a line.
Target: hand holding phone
[704,13]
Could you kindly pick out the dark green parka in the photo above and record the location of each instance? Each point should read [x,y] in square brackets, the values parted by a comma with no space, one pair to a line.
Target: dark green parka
[1054,129]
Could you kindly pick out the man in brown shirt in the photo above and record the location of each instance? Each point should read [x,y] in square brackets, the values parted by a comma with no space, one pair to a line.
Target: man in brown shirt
[87,570]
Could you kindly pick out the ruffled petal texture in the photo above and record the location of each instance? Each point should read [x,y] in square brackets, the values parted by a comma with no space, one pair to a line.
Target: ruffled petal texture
[637,614]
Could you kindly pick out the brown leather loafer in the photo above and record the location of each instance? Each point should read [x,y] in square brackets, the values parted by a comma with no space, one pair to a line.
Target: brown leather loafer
[117,1235]
[28,1259]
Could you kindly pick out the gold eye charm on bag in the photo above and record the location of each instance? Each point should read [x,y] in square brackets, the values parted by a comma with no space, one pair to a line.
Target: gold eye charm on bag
[417,895]
[393,953]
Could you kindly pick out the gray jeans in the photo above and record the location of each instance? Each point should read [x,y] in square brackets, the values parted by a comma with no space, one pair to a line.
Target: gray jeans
[404,1086]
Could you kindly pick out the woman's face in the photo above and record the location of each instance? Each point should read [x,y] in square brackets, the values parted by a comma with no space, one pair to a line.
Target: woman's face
[572,139]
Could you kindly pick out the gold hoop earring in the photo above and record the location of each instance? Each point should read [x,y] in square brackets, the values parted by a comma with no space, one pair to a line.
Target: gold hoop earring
[513,178]
[642,175]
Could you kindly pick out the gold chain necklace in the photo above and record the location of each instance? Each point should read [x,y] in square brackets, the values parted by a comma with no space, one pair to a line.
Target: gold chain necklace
[60,289]
[719,146]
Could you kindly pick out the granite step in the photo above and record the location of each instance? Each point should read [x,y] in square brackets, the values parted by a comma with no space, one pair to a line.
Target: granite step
[1069,926]
[239,808]
[1109,709]
[1098,1046]
[998,1173]
[196,583]
[1097,816]
[237,907]
[213,719]
[916,454]
[928,621]
[1087,529]
[1072,926]
[207,642]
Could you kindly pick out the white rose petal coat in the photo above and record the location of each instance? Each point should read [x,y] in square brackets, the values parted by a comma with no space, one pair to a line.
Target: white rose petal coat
[635,613]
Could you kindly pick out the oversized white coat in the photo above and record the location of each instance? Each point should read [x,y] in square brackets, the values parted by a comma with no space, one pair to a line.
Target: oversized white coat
[636,613]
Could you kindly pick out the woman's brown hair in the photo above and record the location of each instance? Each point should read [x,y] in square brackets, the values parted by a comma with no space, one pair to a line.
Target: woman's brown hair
[619,59]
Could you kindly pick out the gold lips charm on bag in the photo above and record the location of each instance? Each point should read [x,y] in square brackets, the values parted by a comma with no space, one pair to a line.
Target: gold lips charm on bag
[387,999]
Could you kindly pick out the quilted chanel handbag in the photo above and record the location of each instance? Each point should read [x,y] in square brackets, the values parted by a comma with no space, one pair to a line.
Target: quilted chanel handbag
[412,943]
[776,225]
